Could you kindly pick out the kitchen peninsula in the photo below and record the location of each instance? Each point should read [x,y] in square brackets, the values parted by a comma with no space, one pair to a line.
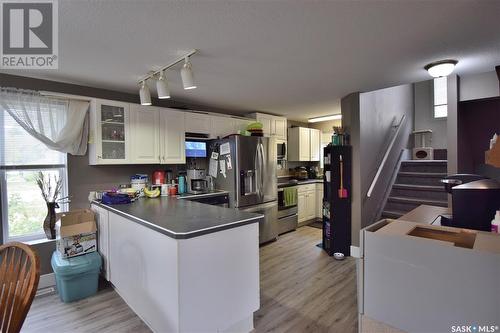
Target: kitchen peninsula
[182,265]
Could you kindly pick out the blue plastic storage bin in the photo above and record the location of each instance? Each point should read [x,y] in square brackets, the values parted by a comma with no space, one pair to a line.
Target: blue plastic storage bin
[76,277]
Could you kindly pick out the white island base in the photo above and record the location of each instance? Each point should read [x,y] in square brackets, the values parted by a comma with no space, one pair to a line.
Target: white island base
[208,283]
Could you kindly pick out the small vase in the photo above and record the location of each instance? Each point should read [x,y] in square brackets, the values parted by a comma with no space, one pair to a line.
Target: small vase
[49,225]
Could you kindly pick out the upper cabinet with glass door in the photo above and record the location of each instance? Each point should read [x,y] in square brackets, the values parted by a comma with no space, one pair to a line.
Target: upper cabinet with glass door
[109,132]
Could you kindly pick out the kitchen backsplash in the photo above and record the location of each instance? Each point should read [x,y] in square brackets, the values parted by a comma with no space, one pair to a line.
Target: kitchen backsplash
[106,177]
[292,165]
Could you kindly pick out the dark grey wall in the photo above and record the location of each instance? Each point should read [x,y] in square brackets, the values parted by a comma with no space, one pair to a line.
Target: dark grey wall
[478,121]
[82,177]
[379,111]
[370,122]
[351,121]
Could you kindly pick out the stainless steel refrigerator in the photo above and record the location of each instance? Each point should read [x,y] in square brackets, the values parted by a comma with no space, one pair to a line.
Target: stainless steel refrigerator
[247,169]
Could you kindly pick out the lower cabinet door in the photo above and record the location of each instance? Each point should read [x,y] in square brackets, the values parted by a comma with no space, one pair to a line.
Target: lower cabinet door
[301,206]
[310,205]
[102,222]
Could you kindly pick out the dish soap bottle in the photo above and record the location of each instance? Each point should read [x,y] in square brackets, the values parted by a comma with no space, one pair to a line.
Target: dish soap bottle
[495,223]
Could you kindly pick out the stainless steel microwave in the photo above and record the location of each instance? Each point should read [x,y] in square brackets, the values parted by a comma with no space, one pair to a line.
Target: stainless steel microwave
[281,151]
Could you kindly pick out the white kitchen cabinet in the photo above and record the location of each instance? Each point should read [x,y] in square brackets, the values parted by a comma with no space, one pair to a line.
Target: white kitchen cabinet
[273,126]
[280,128]
[306,202]
[222,126]
[303,144]
[242,124]
[144,134]
[172,137]
[109,141]
[299,144]
[225,125]
[301,206]
[267,123]
[315,144]
[310,205]
[102,222]
[198,122]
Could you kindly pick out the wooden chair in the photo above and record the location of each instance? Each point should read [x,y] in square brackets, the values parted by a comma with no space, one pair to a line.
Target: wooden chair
[19,276]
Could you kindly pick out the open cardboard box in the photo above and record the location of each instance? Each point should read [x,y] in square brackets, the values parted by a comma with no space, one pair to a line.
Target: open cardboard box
[459,238]
[76,233]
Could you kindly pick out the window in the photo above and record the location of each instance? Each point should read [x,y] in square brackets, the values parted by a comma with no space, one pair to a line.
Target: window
[21,157]
[440,97]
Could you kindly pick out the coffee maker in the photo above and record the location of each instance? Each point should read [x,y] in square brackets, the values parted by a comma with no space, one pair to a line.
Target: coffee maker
[196,181]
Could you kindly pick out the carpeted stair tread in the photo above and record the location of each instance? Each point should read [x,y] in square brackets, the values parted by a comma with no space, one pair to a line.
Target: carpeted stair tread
[423,174]
[390,214]
[421,201]
[419,187]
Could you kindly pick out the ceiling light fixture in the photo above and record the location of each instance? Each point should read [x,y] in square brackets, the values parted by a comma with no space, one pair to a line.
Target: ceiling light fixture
[325,118]
[441,68]
[187,75]
[144,94]
[162,87]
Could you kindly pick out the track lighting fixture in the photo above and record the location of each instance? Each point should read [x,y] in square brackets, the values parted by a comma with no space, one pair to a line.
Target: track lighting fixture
[161,82]
[441,68]
[162,86]
[187,75]
[144,94]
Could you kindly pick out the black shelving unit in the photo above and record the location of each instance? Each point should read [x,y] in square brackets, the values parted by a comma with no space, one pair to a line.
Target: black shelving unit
[337,210]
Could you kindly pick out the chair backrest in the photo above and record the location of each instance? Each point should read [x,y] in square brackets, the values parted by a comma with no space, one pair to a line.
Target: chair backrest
[19,276]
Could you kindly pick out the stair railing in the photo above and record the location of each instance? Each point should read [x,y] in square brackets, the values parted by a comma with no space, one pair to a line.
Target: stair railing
[386,156]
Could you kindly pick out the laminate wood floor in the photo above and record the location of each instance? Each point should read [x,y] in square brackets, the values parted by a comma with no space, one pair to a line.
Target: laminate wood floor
[302,290]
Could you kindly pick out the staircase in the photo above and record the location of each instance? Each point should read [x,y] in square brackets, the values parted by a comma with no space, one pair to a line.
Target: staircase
[417,183]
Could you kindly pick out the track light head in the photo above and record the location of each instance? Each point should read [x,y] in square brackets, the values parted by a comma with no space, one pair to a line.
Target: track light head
[187,75]
[144,94]
[162,87]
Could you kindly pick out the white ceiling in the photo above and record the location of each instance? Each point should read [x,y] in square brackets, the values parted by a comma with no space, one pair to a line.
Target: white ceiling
[295,58]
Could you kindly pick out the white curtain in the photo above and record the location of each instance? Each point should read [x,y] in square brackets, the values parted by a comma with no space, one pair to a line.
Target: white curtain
[61,124]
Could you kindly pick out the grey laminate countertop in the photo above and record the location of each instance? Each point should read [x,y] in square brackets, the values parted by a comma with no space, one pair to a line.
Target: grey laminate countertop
[215,193]
[181,219]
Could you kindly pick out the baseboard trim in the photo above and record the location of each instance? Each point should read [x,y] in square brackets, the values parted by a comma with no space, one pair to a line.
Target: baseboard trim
[355,251]
[46,281]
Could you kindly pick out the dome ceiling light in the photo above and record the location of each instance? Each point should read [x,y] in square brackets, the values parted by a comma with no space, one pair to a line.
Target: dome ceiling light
[441,68]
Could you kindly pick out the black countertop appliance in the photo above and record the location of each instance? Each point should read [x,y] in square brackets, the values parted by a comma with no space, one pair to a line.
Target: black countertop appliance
[474,204]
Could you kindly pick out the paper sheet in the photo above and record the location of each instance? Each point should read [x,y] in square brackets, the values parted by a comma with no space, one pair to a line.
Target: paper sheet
[222,165]
[212,168]
[228,162]
[225,148]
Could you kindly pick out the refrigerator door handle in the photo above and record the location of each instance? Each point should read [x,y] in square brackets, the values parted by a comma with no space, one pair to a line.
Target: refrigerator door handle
[257,171]
[262,159]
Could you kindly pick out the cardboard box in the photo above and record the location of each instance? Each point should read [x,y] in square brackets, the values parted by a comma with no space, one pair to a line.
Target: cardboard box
[76,233]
